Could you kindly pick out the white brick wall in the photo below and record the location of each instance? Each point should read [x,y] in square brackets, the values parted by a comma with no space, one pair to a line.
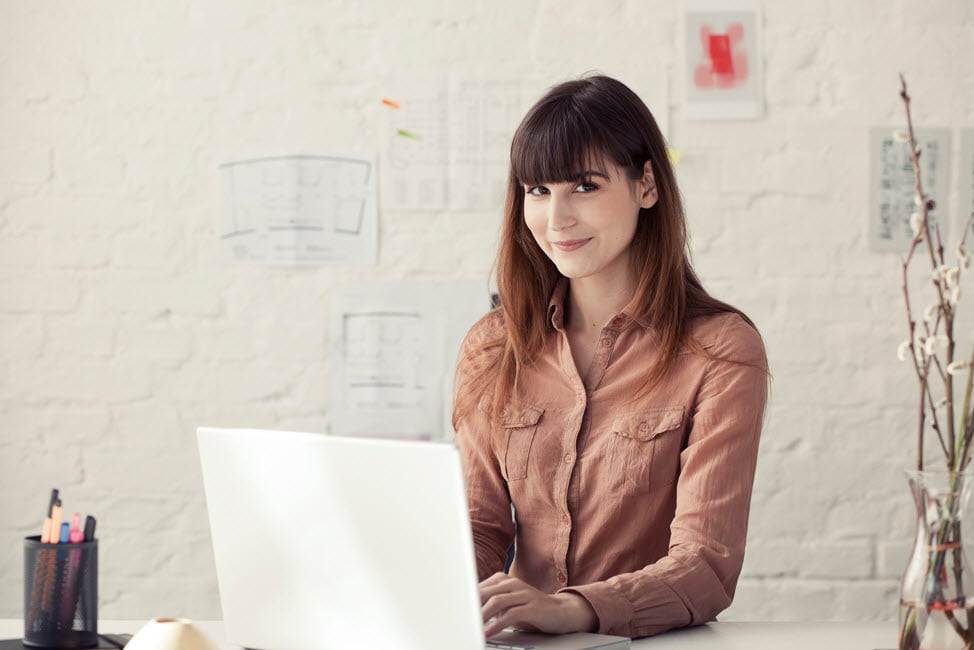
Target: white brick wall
[119,333]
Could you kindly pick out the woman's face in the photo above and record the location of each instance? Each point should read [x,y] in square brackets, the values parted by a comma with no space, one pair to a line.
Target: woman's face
[586,226]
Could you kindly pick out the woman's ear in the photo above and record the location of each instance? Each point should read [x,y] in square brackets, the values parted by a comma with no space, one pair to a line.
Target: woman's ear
[648,195]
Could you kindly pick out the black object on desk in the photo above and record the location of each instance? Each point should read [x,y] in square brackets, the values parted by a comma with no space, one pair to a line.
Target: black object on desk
[105,642]
[60,594]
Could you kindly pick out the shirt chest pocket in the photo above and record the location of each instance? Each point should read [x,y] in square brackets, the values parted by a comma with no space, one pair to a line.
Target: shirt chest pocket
[518,427]
[643,449]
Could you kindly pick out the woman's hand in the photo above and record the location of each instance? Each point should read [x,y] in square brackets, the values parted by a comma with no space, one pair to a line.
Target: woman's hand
[514,603]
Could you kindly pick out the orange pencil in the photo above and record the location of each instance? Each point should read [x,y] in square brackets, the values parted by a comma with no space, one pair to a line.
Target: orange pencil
[49,556]
[44,566]
[55,532]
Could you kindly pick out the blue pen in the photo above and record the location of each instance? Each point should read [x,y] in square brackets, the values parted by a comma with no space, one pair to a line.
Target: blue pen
[65,533]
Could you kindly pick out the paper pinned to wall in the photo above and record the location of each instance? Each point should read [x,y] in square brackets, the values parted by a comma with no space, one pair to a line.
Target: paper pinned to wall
[893,186]
[445,143]
[393,355]
[722,59]
[299,209]
[482,118]
[966,180]
[413,147]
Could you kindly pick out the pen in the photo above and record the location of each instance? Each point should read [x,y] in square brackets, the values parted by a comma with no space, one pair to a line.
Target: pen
[43,567]
[65,536]
[71,592]
[47,530]
[89,528]
[76,535]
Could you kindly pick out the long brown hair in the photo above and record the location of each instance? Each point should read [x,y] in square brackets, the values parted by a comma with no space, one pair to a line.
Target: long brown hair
[574,125]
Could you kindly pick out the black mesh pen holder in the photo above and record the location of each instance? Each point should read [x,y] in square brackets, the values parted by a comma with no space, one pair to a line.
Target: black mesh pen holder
[60,594]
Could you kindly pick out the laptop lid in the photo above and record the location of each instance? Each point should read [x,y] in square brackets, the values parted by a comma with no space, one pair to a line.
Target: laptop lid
[332,542]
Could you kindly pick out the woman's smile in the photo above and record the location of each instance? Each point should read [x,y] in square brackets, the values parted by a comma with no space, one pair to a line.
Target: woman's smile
[569,245]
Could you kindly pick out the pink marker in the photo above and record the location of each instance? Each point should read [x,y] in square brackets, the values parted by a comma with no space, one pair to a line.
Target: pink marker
[77,535]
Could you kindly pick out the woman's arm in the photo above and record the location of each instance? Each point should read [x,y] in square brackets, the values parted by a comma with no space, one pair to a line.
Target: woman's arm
[697,578]
[488,499]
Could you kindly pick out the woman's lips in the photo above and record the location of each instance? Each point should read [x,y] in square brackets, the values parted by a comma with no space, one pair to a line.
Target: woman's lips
[570,244]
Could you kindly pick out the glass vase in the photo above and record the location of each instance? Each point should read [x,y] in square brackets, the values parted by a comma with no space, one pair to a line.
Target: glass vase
[934,610]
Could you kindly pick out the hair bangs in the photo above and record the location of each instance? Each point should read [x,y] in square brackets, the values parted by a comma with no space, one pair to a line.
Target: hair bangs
[557,144]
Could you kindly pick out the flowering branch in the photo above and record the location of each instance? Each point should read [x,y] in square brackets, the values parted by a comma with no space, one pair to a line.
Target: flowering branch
[934,335]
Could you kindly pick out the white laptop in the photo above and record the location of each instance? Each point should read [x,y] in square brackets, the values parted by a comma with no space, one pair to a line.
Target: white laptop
[330,542]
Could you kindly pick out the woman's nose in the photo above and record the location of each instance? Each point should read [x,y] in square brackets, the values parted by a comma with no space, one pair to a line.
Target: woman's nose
[561,213]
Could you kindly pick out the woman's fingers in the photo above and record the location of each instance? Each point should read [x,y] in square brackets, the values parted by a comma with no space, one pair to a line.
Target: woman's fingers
[509,602]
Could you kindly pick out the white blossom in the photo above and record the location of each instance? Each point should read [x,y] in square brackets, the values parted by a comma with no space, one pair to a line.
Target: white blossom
[935,342]
[899,135]
[941,272]
[931,311]
[916,223]
[942,403]
[955,295]
[957,367]
[951,275]
[920,342]
[902,350]
[918,200]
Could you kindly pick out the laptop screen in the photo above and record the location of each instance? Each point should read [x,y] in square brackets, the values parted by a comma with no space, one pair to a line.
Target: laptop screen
[324,541]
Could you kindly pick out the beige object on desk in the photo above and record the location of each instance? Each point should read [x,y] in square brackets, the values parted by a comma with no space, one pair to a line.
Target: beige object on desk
[170,634]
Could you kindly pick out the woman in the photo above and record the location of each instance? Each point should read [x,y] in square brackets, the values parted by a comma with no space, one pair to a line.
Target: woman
[609,399]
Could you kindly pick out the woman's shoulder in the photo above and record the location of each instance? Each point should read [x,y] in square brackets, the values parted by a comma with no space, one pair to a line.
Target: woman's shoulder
[483,342]
[729,335]
[489,329]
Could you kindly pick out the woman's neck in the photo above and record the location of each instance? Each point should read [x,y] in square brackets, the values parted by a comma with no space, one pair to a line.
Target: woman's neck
[591,305]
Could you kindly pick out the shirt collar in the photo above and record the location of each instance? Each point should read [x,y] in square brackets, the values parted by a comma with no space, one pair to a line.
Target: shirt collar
[556,311]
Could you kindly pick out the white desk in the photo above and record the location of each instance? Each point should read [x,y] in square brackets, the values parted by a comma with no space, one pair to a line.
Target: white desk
[716,636]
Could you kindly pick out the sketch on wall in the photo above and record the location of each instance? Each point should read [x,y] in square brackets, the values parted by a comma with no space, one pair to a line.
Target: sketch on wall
[892,185]
[394,348]
[299,210]
[722,59]
[966,179]
[445,143]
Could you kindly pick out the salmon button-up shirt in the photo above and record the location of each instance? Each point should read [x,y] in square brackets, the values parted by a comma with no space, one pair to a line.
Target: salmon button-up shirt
[637,501]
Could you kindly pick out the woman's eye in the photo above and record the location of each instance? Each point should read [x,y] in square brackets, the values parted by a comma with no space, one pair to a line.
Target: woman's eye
[586,186]
[537,190]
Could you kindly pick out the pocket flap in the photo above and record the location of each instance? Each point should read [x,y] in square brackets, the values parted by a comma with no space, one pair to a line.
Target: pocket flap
[520,415]
[648,424]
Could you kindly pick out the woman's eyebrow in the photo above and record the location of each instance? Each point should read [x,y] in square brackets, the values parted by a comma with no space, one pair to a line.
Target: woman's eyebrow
[590,174]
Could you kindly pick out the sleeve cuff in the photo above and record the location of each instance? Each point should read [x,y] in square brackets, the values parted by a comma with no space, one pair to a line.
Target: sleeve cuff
[660,609]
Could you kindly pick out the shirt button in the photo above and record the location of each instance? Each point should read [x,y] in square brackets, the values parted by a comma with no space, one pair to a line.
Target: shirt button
[643,427]
[568,459]
[561,578]
[605,342]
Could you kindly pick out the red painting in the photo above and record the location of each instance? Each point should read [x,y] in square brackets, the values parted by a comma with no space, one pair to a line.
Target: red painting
[725,58]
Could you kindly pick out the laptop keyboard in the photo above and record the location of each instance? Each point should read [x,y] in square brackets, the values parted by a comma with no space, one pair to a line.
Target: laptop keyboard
[498,645]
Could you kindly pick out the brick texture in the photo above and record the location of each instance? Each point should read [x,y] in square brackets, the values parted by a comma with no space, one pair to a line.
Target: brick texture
[120,333]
